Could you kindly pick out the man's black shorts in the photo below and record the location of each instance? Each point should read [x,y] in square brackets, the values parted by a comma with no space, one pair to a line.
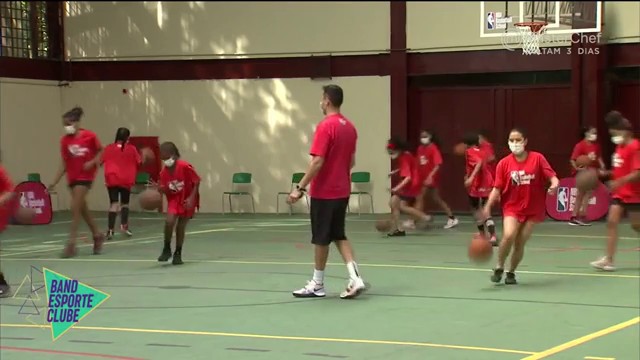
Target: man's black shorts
[328,220]
[119,195]
[477,202]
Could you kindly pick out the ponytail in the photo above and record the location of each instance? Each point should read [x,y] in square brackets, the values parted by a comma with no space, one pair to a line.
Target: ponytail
[122,136]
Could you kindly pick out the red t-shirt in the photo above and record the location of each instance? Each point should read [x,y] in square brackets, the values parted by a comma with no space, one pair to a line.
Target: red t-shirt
[429,157]
[6,210]
[588,148]
[522,184]
[76,150]
[408,168]
[483,181]
[487,147]
[625,160]
[120,165]
[334,140]
[178,184]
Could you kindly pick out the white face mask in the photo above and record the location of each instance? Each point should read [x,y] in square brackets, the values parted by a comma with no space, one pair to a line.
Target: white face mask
[169,162]
[425,140]
[617,139]
[322,109]
[394,156]
[70,129]
[592,137]
[516,148]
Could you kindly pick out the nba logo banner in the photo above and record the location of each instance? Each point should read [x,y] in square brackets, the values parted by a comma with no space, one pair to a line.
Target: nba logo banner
[34,195]
[561,204]
[491,21]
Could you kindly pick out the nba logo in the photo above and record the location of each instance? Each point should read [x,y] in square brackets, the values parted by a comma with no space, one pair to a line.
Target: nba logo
[491,21]
[562,203]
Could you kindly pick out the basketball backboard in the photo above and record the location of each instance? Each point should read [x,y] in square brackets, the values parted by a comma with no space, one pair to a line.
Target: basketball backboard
[497,18]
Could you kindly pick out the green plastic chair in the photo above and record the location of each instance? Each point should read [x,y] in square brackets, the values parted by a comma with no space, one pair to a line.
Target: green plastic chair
[35,177]
[295,180]
[358,179]
[239,179]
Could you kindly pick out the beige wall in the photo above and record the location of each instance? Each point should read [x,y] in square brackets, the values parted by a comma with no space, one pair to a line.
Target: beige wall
[30,129]
[445,26]
[185,29]
[222,127]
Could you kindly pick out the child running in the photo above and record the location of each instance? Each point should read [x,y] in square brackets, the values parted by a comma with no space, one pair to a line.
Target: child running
[588,146]
[180,183]
[520,183]
[410,187]
[7,196]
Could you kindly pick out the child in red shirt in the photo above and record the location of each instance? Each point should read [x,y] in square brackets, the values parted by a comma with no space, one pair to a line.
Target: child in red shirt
[6,210]
[180,183]
[121,162]
[407,190]
[80,150]
[478,181]
[520,183]
[588,146]
[624,184]
[487,147]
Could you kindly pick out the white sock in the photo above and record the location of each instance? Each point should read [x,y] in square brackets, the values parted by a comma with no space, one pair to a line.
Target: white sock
[353,270]
[318,276]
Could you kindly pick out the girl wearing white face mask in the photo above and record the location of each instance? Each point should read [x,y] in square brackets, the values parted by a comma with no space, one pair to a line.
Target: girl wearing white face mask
[81,151]
[429,161]
[180,183]
[406,191]
[520,182]
[624,185]
[588,146]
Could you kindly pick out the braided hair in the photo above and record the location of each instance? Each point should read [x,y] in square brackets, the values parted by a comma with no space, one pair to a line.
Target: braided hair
[122,136]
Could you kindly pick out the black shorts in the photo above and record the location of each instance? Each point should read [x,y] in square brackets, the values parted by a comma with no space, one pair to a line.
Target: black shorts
[86,183]
[408,199]
[477,202]
[634,207]
[328,220]
[119,194]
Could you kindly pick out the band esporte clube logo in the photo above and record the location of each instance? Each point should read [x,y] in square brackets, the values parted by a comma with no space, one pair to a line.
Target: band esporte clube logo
[554,44]
[67,300]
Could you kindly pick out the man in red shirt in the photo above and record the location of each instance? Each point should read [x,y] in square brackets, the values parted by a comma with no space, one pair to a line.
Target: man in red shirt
[624,184]
[329,173]
[7,195]
[588,146]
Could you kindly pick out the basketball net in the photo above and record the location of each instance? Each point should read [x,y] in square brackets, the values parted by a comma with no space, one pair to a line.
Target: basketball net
[531,33]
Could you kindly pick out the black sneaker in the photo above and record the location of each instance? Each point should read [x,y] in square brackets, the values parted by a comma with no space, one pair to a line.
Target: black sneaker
[165,256]
[397,233]
[5,290]
[177,259]
[109,234]
[510,279]
[497,275]
[578,222]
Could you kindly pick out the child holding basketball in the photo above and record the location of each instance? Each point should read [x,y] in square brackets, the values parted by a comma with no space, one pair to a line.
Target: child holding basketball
[478,181]
[624,184]
[520,183]
[180,183]
[406,191]
[589,147]
[121,162]
[6,210]
[80,150]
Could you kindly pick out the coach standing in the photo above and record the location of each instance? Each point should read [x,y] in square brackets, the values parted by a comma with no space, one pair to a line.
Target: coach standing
[333,154]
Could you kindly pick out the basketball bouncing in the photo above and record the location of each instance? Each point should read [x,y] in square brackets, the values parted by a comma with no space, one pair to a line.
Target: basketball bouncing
[480,249]
[383,225]
[150,199]
[587,180]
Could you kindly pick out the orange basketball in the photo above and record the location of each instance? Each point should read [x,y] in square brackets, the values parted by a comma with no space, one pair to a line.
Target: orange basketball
[147,155]
[24,216]
[480,249]
[150,199]
[583,161]
[383,225]
[587,180]
[460,149]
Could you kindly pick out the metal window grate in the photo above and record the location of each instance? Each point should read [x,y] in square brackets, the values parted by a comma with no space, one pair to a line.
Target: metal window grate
[24,29]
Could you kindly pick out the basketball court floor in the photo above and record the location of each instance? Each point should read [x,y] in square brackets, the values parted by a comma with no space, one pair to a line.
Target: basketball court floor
[232,298]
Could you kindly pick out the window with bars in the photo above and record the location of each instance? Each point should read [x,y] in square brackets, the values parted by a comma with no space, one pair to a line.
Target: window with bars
[25,28]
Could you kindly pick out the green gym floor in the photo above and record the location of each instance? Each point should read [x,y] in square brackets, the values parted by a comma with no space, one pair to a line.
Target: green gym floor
[232,297]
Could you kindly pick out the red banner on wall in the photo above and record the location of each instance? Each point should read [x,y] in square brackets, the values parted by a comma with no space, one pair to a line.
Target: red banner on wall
[152,142]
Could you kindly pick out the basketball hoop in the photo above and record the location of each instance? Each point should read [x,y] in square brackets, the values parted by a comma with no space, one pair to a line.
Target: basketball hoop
[531,33]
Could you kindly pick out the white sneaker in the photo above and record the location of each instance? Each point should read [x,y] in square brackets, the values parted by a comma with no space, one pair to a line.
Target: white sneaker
[409,225]
[451,223]
[312,289]
[603,264]
[355,287]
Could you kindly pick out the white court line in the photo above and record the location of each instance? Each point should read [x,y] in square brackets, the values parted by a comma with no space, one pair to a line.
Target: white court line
[112,243]
[8,241]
